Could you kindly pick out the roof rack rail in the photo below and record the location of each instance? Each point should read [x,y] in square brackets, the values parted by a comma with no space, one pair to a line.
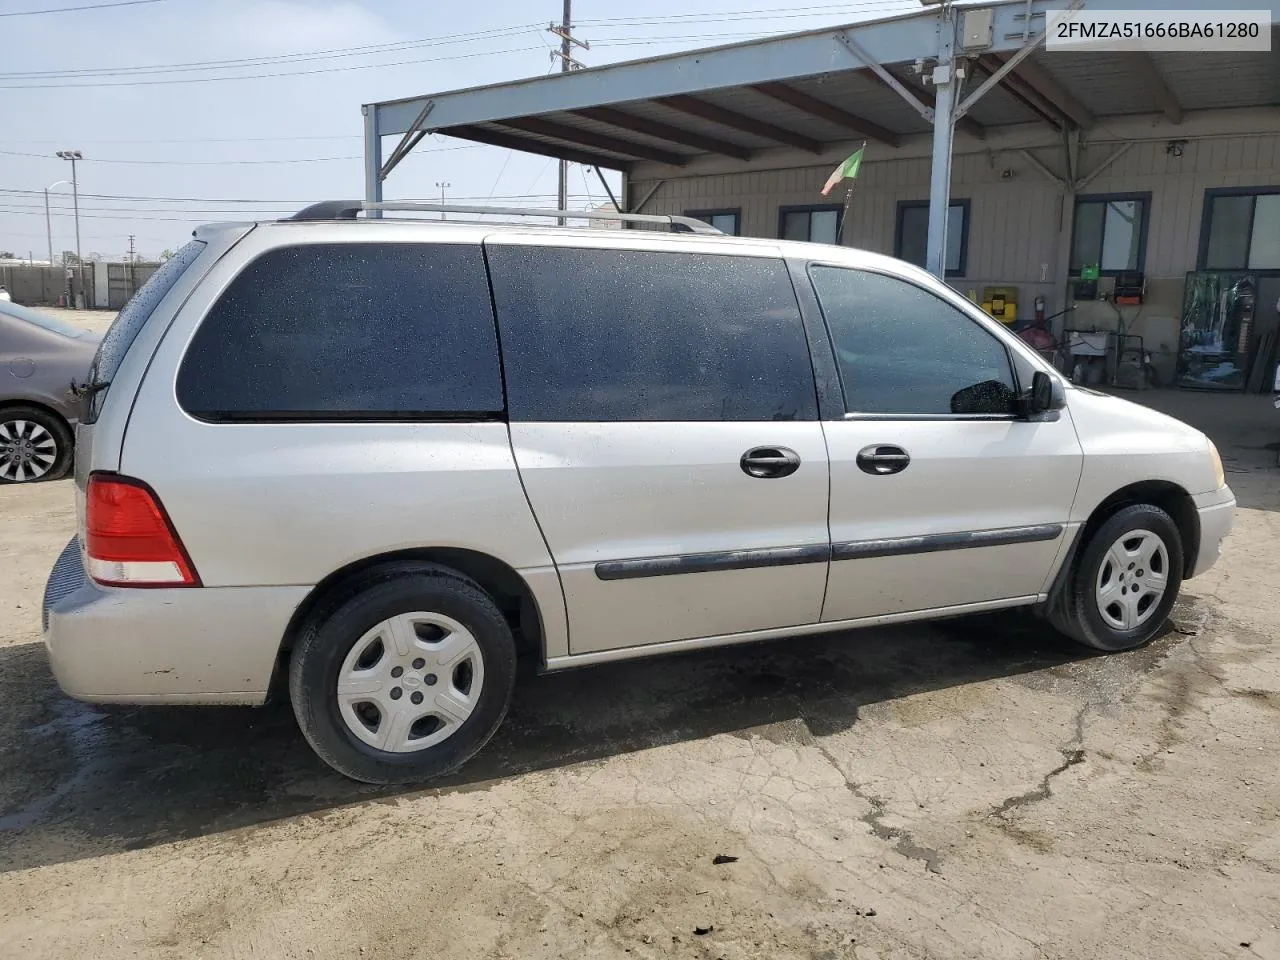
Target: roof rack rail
[348,209]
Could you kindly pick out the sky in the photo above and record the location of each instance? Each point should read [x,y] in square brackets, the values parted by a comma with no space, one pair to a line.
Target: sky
[167,127]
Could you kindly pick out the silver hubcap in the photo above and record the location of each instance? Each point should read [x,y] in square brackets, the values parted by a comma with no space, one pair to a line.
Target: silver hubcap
[410,682]
[1133,577]
[27,450]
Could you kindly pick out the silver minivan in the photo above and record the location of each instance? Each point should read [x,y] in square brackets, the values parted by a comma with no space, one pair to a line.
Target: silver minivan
[381,457]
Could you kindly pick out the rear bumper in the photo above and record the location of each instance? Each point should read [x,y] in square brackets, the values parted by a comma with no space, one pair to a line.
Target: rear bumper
[1217,512]
[180,645]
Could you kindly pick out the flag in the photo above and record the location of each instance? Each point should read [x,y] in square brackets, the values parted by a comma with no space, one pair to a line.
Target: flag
[846,171]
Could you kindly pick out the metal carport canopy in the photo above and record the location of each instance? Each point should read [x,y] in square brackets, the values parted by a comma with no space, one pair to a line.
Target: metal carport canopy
[809,91]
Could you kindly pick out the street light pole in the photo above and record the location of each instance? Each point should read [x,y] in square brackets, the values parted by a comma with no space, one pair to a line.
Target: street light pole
[73,156]
[48,226]
[443,185]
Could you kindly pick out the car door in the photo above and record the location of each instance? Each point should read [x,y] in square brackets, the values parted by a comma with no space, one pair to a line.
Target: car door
[941,496]
[664,421]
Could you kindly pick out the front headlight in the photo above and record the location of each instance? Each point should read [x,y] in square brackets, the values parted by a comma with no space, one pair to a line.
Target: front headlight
[1219,473]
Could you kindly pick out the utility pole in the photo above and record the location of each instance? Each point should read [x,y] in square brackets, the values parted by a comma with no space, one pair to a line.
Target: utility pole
[567,42]
[566,48]
[443,185]
[73,156]
[133,275]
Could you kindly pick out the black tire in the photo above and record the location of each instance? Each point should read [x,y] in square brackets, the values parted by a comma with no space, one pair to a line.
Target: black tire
[1081,617]
[55,427]
[325,643]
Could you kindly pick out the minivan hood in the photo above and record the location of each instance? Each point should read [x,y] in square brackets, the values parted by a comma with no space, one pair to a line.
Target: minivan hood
[1111,427]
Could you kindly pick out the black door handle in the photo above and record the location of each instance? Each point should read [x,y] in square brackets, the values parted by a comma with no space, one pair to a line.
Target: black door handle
[882,459]
[767,463]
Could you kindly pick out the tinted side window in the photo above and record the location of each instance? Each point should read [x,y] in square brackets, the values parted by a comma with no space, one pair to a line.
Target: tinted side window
[639,335]
[381,330]
[901,349]
[129,323]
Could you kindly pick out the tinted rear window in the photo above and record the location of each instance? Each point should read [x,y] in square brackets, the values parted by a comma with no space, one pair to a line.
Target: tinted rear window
[642,335]
[337,331]
[130,321]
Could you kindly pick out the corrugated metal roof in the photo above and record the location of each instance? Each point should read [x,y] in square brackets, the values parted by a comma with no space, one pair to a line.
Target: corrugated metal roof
[681,120]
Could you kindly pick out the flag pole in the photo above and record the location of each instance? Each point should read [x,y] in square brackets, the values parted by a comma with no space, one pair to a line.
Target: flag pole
[848,198]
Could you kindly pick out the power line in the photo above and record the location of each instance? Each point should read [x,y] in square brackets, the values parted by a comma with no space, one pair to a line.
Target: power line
[262,76]
[372,49]
[219,163]
[85,142]
[299,57]
[87,6]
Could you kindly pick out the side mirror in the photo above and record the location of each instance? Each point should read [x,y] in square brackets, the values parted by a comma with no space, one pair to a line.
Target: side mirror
[1045,394]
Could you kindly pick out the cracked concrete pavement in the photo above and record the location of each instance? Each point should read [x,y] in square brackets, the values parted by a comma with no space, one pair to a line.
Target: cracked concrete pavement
[977,788]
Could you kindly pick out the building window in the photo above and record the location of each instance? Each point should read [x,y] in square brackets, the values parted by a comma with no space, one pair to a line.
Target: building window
[911,241]
[1110,232]
[1241,229]
[816,224]
[728,222]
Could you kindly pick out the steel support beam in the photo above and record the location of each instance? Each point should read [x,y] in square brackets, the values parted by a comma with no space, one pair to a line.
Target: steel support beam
[412,137]
[1035,77]
[944,80]
[1043,167]
[664,131]
[609,190]
[826,111]
[1066,220]
[586,138]
[1155,84]
[372,158]
[1102,167]
[496,138]
[647,197]
[1024,95]
[966,124]
[737,121]
[885,77]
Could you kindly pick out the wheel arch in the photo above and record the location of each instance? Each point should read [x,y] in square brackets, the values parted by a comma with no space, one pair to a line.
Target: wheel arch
[498,579]
[1169,497]
[9,403]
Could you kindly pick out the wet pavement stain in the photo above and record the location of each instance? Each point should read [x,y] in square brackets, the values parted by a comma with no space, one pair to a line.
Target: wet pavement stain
[125,778]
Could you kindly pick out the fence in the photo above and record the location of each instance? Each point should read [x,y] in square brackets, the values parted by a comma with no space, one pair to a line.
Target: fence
[106,285]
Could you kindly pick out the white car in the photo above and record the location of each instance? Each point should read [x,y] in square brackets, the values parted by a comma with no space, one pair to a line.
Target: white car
[380,456]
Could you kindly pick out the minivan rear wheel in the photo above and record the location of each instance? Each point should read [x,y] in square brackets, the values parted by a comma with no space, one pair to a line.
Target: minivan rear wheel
[1126,581]
[406,680]
[34,445]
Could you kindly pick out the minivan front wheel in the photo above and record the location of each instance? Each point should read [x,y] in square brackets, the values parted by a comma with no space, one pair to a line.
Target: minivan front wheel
[406,680]
[1127,580]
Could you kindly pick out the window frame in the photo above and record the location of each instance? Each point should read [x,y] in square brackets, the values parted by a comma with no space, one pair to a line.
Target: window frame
[980,322]
[706,215]
[1143,228]
[1206,225]
[811,208]
[963,202]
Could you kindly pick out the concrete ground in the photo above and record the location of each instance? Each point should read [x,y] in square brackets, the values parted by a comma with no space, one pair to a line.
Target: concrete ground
[978,788]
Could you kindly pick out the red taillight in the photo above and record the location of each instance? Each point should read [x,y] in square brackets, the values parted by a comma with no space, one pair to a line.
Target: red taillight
[129,540]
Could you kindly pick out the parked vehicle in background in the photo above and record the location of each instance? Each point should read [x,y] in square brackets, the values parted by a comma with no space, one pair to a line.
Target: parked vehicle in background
[379,457]
[40,356]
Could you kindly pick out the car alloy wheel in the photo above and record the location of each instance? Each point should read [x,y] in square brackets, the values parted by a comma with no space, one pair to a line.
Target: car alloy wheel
[27,451]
